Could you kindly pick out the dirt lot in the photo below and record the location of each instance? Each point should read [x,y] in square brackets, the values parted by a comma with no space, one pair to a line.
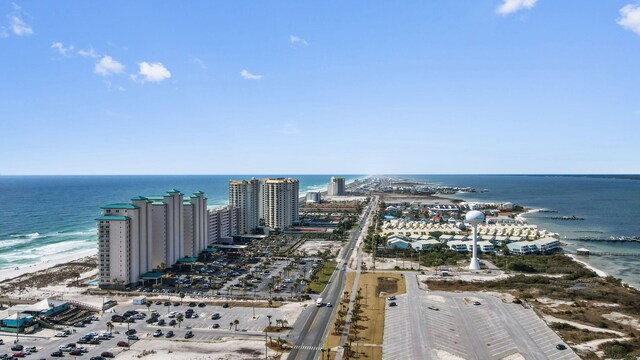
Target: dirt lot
[371,329]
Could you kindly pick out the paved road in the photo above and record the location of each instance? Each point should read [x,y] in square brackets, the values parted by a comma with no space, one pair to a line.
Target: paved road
[491,330]
[315,322]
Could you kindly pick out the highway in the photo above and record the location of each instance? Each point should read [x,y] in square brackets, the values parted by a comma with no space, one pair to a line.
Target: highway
[313,325]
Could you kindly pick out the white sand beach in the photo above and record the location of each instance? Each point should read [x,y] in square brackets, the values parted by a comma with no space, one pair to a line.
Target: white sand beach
[47,263]
[595,270]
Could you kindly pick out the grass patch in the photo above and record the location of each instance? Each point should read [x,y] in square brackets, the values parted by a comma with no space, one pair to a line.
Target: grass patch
[323,275]
[573,335]
[375,287]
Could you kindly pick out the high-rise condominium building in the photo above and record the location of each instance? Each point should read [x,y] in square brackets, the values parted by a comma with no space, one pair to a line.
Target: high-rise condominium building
[149,233]
[314,197]
[245,195]
[280,202]
[223,223]
[336,187]
[196,223]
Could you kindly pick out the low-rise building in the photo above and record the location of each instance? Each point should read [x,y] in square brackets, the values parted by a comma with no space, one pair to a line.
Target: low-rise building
[547,244]
[424,244]
[398,244]
[458,245]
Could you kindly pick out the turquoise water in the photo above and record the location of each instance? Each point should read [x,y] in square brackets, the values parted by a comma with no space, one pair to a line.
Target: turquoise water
[50,215]
[43,216]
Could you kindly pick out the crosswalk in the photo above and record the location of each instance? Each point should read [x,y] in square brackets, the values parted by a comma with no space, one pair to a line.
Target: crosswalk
[305,347]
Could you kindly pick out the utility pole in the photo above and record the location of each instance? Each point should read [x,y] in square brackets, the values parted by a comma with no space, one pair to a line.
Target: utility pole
[266,345]
[366,294]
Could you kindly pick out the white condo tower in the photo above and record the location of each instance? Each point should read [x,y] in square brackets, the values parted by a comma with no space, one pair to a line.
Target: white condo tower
[474,218]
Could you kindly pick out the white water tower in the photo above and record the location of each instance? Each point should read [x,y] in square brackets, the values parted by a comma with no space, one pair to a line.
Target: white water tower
[474,218]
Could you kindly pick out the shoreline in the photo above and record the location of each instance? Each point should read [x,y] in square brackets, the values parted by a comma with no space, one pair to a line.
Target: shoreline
[11,273]
[590,267]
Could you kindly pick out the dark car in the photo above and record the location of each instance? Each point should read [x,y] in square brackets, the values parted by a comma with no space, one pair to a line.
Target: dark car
[393,303]
[188,315]
[94,342]
[225,305]
[107,354]
[83,341]
[117,318]
[17,347]
[57,354]
[215,326]
[97,358]
[202,304]
[130,332]
[215,316]
[192,304]
[19,354]
[161,322]
[172,323]
[169,334]
[176,303]
[561,347]
[158,302]
[133,337]
[123,344]
[75,352]
[188,335]
[167,303]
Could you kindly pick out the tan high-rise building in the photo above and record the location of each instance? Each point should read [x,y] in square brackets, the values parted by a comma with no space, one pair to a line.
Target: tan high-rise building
[280,202]
[245,195]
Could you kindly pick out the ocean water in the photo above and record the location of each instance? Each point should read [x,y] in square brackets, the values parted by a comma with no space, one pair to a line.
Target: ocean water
[44,216]
[610,206]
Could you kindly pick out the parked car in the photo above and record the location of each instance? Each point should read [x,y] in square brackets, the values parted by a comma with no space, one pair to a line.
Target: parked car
[476,303]
[225,305]
[123,344]
[188,335]
[19,354]
[130,332]
[167,303]
[75,352]
[192,304]
[61,334]
[561,347]
[393,304]
[172,323]
[202,304]
[161,322]
[169,334]
[433,308]
[157,333]
[133,337]
[391,298]
[57,353]
[79,324]
[107,354]
[215,316]
[215,326]
[17,347]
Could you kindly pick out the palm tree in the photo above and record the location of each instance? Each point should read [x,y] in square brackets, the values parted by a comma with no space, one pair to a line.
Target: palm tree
[231,325]
[236,322]
[148,304]
[179,319]
[270,285]
[181,297]
[269,317]
[76,276]
[284,323]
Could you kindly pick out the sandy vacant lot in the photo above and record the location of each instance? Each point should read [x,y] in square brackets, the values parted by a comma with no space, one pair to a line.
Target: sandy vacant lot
[177,350]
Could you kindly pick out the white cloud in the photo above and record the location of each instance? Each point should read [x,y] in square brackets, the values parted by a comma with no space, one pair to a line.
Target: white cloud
[296,40]
[61,49]
[630,18]
[152,72]
[199,62]
[511,6]
[88,53]
[249,76]
[107,66]
[19,27]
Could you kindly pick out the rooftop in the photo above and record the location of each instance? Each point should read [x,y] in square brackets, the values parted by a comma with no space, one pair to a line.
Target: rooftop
[113,218]
[120,206]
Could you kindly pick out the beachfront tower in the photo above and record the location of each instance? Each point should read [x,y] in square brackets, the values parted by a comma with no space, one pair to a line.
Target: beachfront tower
[336,187]
[474,218]
[281,200]
[195,224]
[245,195]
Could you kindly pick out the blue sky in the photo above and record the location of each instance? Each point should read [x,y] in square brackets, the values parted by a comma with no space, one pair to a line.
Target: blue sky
[363,87]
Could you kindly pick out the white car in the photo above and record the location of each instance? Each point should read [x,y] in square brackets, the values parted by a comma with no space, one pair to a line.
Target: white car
[61,334]
[31,349]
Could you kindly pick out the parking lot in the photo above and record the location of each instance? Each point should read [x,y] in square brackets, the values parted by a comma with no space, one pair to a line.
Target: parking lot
[202,327]
[438,325]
